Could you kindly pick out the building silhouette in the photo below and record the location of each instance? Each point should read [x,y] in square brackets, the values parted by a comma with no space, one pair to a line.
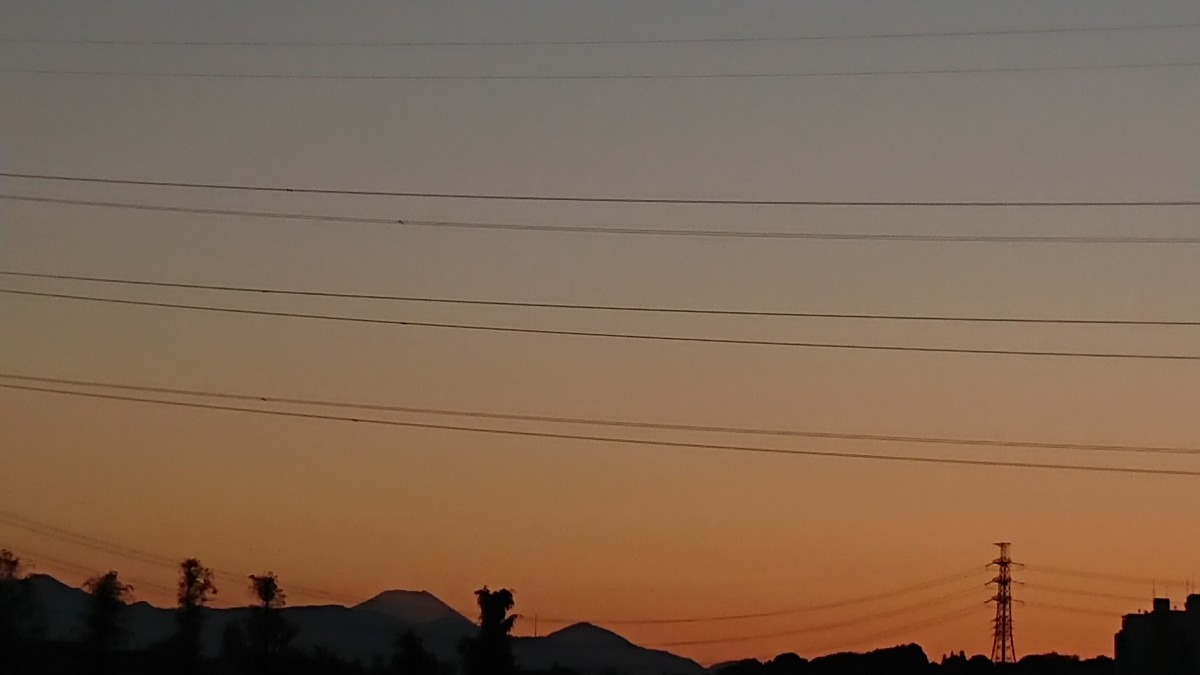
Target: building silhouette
[1163,641]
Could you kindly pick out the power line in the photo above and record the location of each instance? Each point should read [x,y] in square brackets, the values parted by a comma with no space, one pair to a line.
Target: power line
[137,582]
[94,543]
[544,77]
[589,199]
[916,625]
[34,558]
[925,585]
[609,439]
[935,602]
[599,307]
[1091,594]
[1104,576]
[1071,609]
[90,571]
[645,231]
[61,564]
[934,440]
[80,539]
[603,334]
[605,42]
[86,541]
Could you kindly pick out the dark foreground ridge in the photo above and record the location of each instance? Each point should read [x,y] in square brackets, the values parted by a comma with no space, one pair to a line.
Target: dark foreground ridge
[911,660]
[47,627]
[365,638]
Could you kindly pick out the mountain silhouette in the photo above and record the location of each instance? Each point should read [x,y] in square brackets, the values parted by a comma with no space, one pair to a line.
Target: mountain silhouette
[587,635]
[583,647]
[368,631]
[412,606]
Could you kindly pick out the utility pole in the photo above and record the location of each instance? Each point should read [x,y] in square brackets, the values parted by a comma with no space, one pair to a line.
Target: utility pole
[1003,650]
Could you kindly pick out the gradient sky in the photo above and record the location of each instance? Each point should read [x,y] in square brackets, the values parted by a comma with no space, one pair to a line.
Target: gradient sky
[582,530]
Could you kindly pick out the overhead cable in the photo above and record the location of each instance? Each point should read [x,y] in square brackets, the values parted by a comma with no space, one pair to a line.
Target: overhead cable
[902,629]
[1105,576]
[1072,609]
[818,628]
[498,196]
[536,42]
[694,339]
[33,557]
[1146,471]
[94,543]
[590,421]
[1083,592]
[932,318]
[623,230]
[906,590]
[610,77]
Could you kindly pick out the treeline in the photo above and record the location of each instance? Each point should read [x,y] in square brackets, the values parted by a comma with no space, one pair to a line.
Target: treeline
[261,644]
[911,660]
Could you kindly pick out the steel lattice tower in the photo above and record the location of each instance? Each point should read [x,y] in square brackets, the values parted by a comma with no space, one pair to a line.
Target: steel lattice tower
[1003,650]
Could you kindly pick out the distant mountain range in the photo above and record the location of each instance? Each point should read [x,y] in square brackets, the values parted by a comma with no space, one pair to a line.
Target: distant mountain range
[368,630]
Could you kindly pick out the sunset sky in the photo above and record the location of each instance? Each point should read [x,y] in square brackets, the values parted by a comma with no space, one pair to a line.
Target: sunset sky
[599,531]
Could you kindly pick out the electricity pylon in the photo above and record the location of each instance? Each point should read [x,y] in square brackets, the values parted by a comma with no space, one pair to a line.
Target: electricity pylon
[1003,650]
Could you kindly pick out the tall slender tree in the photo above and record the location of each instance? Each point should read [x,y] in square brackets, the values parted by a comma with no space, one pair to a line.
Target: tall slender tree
[196,588]
[19,616]
[268,633]
[11,592]
[104,630]
[490,653]
[10,566]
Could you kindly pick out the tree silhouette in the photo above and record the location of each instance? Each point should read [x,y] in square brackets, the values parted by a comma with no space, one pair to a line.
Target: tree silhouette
[11,600]
[19,616]
[268,633]
[267,590]
[411,658]
[490,653]
[104,630]
[196,587]
[10,566]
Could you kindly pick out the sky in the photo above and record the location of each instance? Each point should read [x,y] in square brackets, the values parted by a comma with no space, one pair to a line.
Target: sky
[586,530]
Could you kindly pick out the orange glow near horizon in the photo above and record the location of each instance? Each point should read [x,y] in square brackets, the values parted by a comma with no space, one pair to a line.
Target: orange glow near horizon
[961,624]
[602,563]
[929,618]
